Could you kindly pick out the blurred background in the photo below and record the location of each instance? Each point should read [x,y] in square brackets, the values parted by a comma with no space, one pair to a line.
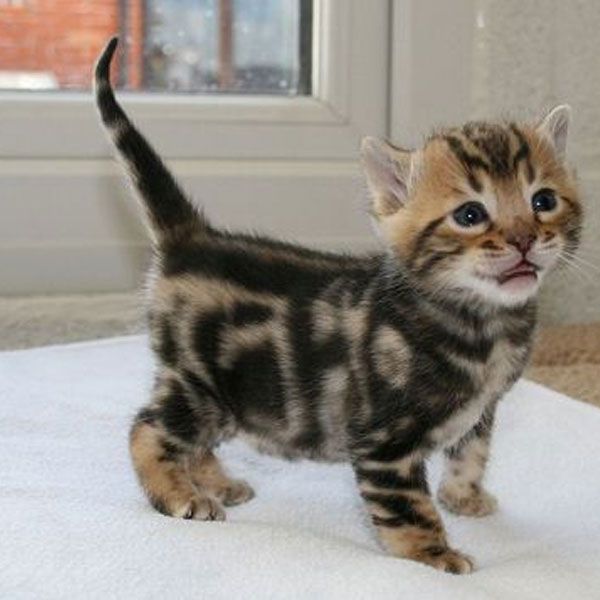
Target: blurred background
[180,46]
[259,107]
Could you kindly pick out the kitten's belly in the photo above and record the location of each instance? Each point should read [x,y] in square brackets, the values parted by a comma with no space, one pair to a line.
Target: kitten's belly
[329,451]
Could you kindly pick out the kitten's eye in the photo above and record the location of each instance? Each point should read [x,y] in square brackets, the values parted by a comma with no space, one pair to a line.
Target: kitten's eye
[470,214]
[543,201]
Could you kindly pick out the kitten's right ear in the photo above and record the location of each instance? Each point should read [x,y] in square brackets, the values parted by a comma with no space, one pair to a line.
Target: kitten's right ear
[555,127]
[388,173]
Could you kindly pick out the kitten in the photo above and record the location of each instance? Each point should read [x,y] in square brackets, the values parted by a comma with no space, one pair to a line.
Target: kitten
[375,360]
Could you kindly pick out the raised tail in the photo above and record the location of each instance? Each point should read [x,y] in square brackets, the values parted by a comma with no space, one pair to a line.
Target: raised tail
[171,216]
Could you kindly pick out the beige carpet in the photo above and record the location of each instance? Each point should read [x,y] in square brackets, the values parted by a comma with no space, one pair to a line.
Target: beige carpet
[566,358]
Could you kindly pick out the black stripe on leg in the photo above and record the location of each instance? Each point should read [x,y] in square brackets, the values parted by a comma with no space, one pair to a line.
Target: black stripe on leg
[394,449]
[147,415]
[171,452]
[401,509]
[389,479]
[164,343]
[178,416]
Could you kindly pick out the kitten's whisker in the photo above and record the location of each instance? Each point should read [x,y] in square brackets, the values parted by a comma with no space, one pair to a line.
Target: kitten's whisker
[576,269]
[589,251]
[546,247]
[583,262]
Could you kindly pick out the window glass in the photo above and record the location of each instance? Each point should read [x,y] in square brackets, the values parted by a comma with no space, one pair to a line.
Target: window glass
[175,46]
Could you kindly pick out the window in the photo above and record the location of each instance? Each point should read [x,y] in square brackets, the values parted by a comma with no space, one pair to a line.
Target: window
[331,97]
[239,46]
[177,46]
[276,149]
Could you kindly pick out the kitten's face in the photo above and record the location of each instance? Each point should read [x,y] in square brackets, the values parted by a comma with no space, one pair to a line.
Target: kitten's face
[484,211]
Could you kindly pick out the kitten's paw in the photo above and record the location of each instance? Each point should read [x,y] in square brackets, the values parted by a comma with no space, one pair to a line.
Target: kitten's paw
[446,559]
[204,508]
[472,502]
[201,508]
[236,492]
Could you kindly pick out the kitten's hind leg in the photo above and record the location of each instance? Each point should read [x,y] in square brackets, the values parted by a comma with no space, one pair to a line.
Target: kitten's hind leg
[163,473]
[165,441]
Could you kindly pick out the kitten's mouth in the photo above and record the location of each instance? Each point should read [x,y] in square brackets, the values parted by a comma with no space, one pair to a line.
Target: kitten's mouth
[523,271]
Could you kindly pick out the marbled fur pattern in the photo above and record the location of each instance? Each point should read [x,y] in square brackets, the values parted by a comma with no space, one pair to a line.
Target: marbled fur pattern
[334,357]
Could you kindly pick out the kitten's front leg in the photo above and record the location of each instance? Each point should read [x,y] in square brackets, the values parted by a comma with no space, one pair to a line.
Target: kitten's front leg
[461,490]
[408,524]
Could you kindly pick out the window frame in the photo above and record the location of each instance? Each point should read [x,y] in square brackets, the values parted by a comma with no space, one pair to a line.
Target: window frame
[349,99]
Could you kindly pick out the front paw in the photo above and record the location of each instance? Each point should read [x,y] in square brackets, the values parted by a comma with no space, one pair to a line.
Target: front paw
[472,501]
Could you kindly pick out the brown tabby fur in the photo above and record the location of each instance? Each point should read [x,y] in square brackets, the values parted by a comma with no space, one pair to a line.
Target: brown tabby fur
[376,360]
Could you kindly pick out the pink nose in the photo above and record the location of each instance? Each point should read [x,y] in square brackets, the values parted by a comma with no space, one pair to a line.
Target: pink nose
[522,243]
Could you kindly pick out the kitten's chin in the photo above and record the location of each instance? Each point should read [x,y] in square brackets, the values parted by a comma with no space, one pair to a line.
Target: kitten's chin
[514,291]
[511,292]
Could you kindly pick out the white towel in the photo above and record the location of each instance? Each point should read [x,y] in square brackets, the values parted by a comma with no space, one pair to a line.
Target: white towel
[73,523]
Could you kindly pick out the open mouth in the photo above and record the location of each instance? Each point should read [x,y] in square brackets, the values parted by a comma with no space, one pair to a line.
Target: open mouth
[524,270]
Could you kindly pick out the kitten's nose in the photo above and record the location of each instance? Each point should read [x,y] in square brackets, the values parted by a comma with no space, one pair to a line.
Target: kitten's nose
[522,242]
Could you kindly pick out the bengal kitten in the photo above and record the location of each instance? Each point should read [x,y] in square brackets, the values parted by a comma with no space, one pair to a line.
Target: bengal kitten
[376,360]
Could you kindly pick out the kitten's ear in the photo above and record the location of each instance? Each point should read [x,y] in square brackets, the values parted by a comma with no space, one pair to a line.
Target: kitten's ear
[555,126]
[388,173]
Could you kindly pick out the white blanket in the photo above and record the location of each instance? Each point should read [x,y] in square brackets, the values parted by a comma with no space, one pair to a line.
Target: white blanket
[73,523]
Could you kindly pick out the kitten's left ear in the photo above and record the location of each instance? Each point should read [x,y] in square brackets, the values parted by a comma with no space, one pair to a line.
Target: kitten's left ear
[555,127]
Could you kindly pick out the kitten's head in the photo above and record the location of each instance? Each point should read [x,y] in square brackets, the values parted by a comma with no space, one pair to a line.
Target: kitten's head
[482,211]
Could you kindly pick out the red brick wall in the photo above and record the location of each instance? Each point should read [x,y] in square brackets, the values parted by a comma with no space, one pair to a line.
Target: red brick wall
[135,34]
[65,36]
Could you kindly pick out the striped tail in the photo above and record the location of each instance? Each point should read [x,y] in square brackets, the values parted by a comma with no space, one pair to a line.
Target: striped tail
[171,216]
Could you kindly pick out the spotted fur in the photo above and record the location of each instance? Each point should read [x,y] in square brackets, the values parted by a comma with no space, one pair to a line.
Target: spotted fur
[375,360]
